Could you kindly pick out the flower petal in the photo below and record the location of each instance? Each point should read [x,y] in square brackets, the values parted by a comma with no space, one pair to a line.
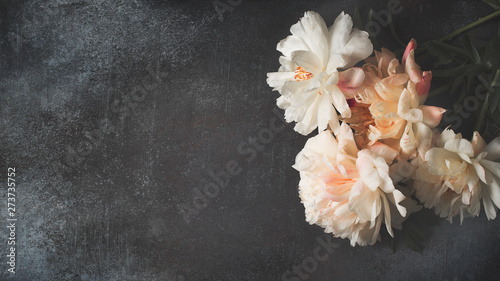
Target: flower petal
[489,208]
[309,120]
[384,151]
[347,47]
[445,136]
[493,149]
[339,100]
[278,79]
[494,191]
[423,134]
[325,109]
[405,111]
[412,45]
[364,202]
[412,68]
[313,31]
[432,115]
[290,44]
[424,86]
[478,143]
[307,60]
[350,81]
[368,172]
[491,166]
[460,146]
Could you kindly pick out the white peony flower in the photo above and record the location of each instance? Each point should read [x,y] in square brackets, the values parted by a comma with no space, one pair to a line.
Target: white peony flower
[346,191]
[309,79]
[458,174]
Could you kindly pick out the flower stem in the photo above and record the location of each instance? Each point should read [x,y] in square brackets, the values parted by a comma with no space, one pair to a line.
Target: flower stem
[469,26]
[482,113]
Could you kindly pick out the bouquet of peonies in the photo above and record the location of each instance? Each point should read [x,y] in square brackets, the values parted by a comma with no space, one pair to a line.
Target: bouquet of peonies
[376,144]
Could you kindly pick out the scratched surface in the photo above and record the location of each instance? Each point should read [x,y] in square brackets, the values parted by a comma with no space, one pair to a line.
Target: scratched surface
[117,114]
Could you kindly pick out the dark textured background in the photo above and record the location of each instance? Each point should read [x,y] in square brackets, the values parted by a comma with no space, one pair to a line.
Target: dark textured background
[106,206]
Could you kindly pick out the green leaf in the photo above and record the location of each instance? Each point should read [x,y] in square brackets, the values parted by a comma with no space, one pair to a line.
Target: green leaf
[411,243]
[417,229]
[449,72]
[496,79]
[471,50]
[373,38]
[492,55]
[392,245]
[495,98]
[358,21]
[461,95]
[438,91]
[494,117]
[456,83]
[474,70]
[437,48]
[393,31]
[443,61]
[493,3]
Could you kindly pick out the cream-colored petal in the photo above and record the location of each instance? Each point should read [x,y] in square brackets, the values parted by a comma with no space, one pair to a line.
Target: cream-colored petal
[460,146]
[290,44]
[494,190]
[432,115]
[478,143]
[313,31]
[309,121]
[423,134]
[408,142]
[405,111]
[347,145]
[493,150]
[445,136]
[493,167]
[368,172]
[489,207]
[350,81]
[307,60]
[365,202]
[347,47]
[339,100]
[325,109]
[384,151]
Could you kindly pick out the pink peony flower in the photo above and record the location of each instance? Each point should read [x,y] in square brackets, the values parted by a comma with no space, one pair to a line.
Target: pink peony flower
[395,95]
[347,191]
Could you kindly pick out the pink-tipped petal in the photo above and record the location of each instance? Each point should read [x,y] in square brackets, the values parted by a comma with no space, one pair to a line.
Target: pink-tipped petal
[432,115]
[350,81]
[411,46]
[424,86]
[412,68]
[478,143]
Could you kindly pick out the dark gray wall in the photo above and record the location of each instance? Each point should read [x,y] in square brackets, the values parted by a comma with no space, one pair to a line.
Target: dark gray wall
[115,113]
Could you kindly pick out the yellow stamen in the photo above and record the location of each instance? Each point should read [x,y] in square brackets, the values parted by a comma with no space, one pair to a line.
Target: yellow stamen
[301,74]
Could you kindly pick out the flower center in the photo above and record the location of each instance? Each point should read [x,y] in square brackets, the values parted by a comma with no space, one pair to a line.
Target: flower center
[301,74]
